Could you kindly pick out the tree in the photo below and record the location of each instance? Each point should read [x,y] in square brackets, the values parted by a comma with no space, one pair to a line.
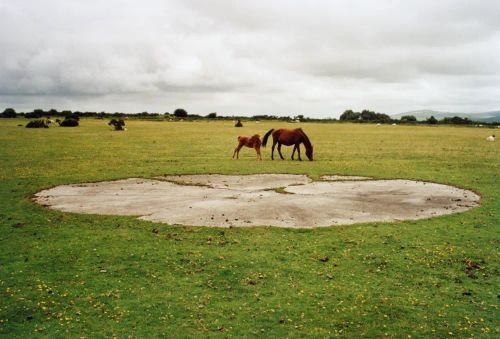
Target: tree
[456,121]
[67,113]
[180,113]
[53,111]
[9,113]
[432,120]
[37,113]
[367,115]
[349,115]
[408,118]
[212,115]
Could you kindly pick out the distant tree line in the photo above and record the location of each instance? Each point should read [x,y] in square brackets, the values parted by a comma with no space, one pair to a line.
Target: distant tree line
[365,116]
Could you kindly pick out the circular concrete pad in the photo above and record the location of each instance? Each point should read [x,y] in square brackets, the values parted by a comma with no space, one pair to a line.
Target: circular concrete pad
[260,200]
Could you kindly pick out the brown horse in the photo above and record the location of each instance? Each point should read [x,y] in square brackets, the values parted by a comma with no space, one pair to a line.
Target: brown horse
[253,142]
[289,137]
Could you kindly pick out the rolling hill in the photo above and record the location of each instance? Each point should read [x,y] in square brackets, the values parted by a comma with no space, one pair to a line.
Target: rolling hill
[492,116]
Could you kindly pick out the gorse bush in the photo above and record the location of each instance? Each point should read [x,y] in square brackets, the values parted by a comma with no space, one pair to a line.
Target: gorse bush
[37,124]
[69,122]
[119,124]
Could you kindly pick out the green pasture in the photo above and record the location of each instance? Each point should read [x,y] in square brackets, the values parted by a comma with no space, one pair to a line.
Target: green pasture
[73,275]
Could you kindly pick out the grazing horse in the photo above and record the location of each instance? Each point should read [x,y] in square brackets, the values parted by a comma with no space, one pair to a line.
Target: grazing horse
[289,137]
[253,142]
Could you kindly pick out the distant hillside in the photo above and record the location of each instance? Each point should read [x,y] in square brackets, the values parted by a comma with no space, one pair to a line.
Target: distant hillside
[493,116]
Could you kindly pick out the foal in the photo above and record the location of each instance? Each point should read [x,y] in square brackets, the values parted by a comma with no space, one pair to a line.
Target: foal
[253,142]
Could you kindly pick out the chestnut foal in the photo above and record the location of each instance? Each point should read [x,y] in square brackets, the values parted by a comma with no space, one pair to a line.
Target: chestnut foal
[253,142]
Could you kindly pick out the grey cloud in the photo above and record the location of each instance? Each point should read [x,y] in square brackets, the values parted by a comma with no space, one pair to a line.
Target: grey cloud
[315,58]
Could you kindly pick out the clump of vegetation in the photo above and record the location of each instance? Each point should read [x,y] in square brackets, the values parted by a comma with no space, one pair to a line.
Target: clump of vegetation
[238,123]
[432,120]
[456,121]
[37,124]
[8,113]
[69,122]
[180,113]
[119,124]
[409,118]
[365,116]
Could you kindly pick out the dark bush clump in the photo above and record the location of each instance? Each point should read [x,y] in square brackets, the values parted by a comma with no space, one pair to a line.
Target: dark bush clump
[180,113]
[37,124]
[432,120]
[238,124]
[118,123]
[8,113]
[69,122]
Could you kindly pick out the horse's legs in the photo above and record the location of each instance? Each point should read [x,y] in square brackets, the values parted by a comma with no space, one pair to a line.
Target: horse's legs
[237,151]
[293,152]
[279,151]
[272,152]
[298,151]
[257,149]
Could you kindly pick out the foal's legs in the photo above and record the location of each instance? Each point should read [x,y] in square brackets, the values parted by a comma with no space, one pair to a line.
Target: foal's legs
[257,149]
[279,150]
[237,150]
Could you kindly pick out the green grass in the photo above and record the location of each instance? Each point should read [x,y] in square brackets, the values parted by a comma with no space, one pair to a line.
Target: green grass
[72,275]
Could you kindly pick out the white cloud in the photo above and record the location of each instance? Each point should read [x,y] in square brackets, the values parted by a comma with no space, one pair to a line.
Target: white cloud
[315,58]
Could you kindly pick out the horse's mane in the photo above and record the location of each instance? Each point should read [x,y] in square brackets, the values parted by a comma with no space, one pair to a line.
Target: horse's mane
[307,143]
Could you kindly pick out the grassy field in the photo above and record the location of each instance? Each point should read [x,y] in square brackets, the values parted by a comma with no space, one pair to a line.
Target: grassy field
[72,275]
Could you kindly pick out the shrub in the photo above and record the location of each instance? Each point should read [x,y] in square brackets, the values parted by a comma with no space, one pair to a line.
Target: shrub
[432,120]
[37,124]
[456,121]
[180,113]
[69,122]
[349,115]
[8,113]
[119,124]
[408,118]
[238,124]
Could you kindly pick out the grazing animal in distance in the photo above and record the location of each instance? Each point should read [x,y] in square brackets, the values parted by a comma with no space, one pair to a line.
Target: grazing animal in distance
[252,142]
[491,138]
[289,137]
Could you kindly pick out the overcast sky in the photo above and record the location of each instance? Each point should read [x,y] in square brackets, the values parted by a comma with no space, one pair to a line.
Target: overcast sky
[316,58]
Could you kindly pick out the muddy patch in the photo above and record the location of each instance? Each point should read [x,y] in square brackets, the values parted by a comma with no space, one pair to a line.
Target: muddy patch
[260,200]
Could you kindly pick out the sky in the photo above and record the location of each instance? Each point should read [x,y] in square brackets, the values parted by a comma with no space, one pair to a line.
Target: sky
[315,58]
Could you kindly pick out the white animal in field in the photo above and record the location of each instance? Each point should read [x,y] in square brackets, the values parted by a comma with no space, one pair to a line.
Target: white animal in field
[491,138]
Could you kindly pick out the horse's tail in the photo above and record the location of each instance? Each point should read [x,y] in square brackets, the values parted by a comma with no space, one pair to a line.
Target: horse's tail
[266,136]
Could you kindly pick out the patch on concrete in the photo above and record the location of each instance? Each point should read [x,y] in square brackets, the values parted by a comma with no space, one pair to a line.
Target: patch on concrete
[258,200]
[343,178]
[239,182]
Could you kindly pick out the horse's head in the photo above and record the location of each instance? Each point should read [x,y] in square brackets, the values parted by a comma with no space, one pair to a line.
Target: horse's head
[309,153]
